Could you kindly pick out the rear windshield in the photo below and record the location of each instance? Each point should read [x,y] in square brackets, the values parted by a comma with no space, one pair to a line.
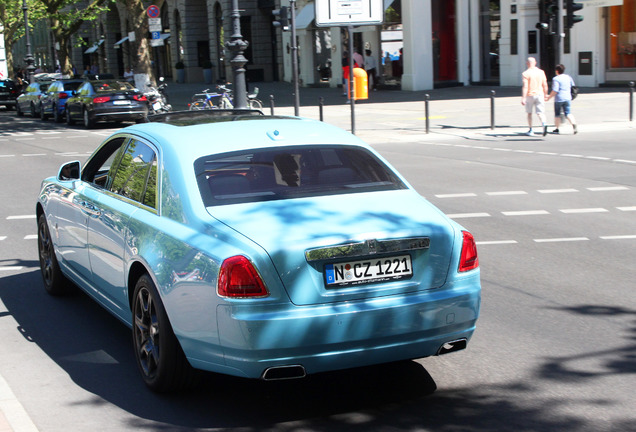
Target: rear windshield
[109,86]
[72,85]
[291,172]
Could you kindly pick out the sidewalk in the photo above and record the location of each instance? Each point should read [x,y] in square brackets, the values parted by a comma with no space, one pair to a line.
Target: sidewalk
[453,112]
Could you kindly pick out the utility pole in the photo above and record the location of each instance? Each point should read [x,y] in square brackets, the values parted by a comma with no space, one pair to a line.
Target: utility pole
[294,51]
[237,46]
[28,59]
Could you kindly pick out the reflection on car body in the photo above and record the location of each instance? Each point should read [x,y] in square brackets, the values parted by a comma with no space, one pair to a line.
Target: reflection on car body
[245,246]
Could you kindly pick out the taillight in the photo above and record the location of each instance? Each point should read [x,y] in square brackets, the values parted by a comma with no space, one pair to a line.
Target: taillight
[101,99]
[140,98]
[239,279]
[62,95]
[468,259]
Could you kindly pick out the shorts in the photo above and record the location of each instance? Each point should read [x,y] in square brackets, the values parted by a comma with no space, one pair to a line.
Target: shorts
[562,106]
[537,102]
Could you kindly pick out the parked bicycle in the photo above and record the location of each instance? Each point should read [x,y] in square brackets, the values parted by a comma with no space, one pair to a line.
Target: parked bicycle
[223,98]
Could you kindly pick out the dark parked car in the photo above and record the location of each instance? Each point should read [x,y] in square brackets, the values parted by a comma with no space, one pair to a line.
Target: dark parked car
[106,100]
[29,100]
[8,93]
[53,102]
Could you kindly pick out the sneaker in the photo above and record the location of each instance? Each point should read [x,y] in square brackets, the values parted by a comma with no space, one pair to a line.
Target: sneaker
[556,131]
[574,127]
[530,133]
[545,130]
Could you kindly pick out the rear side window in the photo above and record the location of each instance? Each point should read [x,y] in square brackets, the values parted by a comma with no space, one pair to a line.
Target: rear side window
[291,172]
[138,165]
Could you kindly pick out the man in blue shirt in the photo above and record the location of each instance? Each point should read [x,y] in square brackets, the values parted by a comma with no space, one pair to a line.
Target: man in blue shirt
[562,89]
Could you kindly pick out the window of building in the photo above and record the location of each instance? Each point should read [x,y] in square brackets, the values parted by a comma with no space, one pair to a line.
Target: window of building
[622,35]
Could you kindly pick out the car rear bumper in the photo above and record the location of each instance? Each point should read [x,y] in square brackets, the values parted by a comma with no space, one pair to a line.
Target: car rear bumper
[339,336]
[10,102]
[120,115]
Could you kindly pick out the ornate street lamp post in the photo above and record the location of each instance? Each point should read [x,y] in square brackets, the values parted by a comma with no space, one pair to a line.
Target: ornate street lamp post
[28,59]
[237,46]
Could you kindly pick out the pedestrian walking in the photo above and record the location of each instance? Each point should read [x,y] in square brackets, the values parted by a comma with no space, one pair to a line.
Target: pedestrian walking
[533,93]
[371,65]
[562,85]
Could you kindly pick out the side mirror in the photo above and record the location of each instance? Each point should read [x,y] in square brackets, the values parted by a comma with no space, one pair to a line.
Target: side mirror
[69,171]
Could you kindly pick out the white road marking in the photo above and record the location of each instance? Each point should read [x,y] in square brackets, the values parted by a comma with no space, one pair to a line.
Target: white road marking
[525,213]
[21,217]
[33,154]
[7,156]
[10,268]
[619,237]
[584,210]
[563,239]
[624,161]
[553,191]
[2,237]
[31,237]
[502,193]
[607,188]
[632,208]
[598,158]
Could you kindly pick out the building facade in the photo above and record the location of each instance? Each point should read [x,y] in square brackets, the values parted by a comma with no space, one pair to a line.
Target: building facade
[422,44]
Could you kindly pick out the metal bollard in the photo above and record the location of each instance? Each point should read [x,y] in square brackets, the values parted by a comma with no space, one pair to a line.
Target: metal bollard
[427,97]
[271,104]
[321,104]
[631,100]
[492,109]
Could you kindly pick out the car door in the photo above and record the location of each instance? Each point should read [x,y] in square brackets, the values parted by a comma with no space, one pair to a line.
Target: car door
[133,189]
[77,206]
[74,104]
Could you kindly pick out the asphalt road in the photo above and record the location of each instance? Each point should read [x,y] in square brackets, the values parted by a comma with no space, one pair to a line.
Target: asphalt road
[555,347]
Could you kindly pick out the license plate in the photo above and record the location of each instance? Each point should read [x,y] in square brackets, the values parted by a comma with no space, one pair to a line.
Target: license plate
[121,102]
[368,271]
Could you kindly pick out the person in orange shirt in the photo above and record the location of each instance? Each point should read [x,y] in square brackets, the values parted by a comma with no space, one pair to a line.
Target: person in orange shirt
[533,93]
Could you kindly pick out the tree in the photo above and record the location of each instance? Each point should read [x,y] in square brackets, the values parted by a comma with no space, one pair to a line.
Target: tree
[12,18]
[136,13]
[66,18]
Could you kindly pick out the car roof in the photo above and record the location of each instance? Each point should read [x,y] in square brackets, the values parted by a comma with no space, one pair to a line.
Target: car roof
[190,142]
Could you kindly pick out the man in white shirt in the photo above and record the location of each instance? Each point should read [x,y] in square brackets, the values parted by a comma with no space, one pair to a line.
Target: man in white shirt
[371,66]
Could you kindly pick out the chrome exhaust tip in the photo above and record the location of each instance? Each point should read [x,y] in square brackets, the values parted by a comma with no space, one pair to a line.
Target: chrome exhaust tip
[452,346]
[278,373]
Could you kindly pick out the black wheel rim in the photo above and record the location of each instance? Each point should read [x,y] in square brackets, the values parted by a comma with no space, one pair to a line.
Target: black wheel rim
[147,333]
[86,120]
[46,254]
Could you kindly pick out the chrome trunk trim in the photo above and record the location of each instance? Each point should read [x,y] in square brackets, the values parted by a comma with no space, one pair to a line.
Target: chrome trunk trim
[366,248]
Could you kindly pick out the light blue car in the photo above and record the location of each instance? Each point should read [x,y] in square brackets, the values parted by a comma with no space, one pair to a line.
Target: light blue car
[255,246]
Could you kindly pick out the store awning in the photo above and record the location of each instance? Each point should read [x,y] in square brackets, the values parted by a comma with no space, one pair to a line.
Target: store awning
[165,36]
[119,42]
[305,17]
[94,47]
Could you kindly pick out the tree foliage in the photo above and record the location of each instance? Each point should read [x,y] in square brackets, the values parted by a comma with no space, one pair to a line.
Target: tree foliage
[12,19]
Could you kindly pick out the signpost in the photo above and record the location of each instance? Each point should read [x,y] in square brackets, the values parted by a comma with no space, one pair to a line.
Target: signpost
[349,13]
[154,26]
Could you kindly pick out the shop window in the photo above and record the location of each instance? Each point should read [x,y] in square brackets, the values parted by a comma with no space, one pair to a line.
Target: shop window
[622,35]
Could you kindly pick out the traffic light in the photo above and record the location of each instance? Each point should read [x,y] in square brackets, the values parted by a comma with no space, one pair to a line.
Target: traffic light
[570,18]
[548,12]
[282,18]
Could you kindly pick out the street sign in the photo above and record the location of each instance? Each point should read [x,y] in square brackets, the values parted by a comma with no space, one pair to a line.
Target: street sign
[155,39]
[154,24]
[334,13]
[153,11]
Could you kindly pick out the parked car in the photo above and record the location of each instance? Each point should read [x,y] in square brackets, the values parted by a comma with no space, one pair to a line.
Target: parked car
[53,101]
[260,247]
[106,100]
[8,93]
[29,100]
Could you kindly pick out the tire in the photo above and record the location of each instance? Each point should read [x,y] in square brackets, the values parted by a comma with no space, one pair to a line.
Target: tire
[18,111]
[256,104]
[69,119]
[198,105]
[55,282]
[33,113]
[89,123]
[57,117]
[43,116]
[161,361]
